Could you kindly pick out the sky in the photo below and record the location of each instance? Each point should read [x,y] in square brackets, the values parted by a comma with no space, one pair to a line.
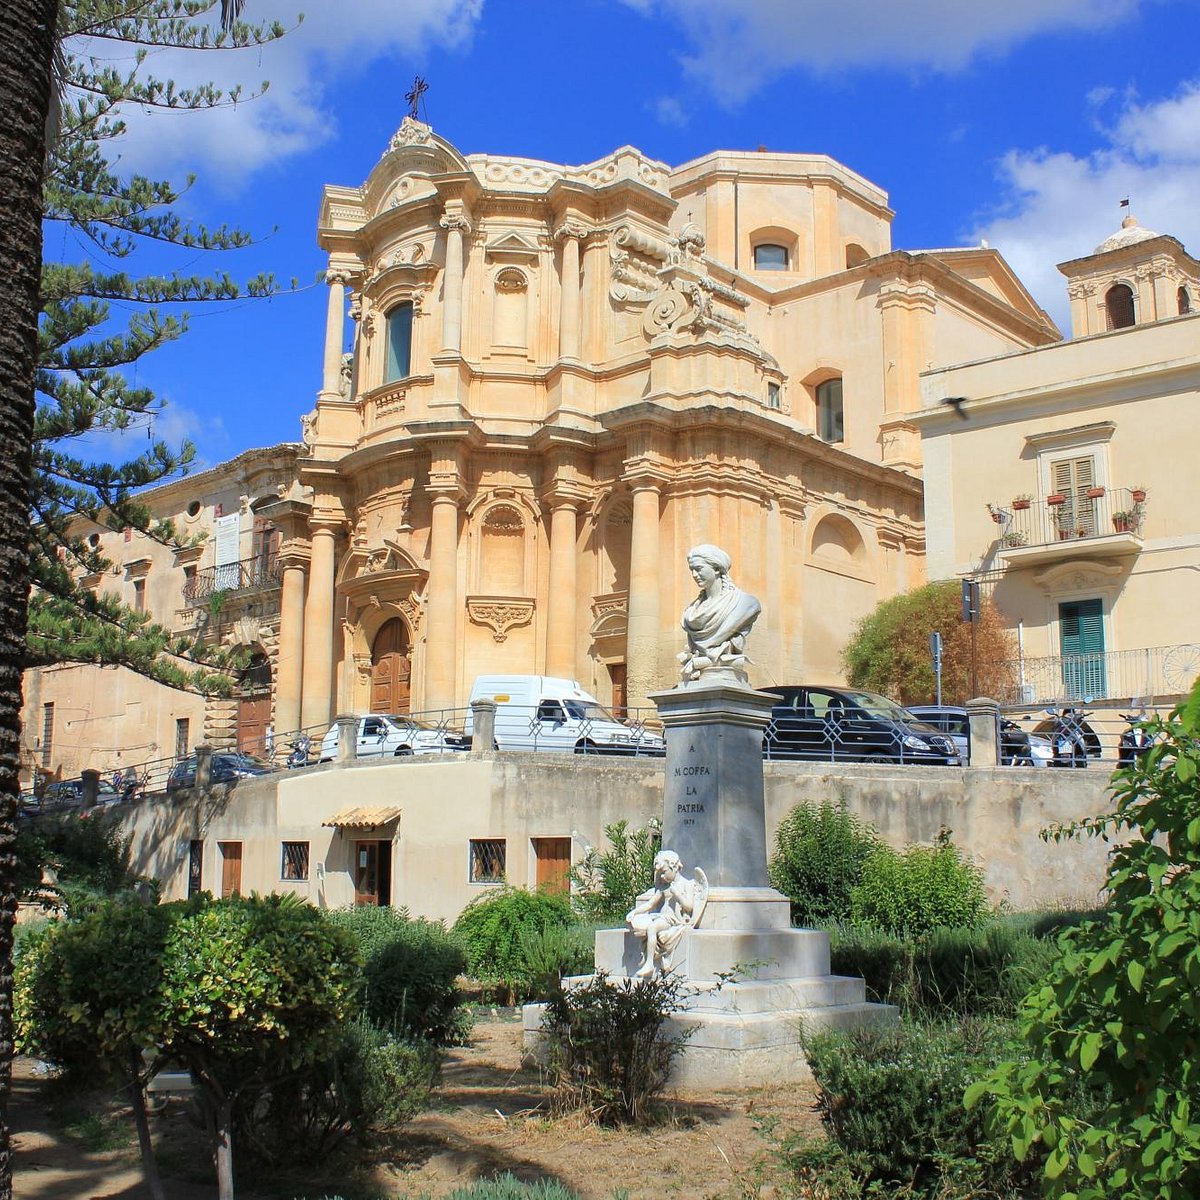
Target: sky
[1022,123]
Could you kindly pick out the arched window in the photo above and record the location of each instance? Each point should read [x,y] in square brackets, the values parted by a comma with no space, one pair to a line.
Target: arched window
[1118,301]
[399,342]
[830,426]
[1185,302]
[770,257]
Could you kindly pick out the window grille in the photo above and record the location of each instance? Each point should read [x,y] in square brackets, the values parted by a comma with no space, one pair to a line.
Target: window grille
[488,857]
[295,861]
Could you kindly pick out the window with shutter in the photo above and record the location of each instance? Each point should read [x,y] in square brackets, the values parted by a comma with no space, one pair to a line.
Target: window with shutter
[1081,635]
[1073,478]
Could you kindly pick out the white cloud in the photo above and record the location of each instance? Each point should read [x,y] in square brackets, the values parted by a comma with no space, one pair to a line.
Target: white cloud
[173,424]
[738,47]
[303,68]
[670,111]
[1061,206]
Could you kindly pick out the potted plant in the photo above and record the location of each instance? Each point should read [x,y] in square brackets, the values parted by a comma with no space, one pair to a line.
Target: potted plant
[1128,520]
[1056,498]
[1014,537]
[1138,493]
[1094,493]
[1022,501]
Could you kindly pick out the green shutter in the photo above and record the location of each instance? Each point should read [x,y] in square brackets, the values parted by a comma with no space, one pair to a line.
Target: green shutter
[1082,625]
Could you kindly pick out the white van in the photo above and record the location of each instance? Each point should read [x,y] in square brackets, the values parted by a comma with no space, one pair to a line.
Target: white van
[536,712]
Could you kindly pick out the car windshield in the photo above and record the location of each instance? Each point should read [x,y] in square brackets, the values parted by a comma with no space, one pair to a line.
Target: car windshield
[589,710]
[880,706]
[408,724]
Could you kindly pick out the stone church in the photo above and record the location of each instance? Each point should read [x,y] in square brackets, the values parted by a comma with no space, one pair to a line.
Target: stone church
[541,385]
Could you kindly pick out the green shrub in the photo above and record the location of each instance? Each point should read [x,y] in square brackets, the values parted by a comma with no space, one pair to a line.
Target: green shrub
[922,888]
[554,953]
[944,971]
[410,969]
[508,1187]
[606,1051]
[819,856]
[608,883]
[89,857]
[491,929]
[891,1100]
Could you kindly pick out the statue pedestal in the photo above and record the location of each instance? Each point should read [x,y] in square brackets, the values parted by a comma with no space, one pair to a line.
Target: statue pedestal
[756,986]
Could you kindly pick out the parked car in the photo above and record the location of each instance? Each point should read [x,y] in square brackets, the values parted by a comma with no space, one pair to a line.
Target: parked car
[827,724]
[381,735]
[1017,747]
[539,712]
[68,793]
[227,766]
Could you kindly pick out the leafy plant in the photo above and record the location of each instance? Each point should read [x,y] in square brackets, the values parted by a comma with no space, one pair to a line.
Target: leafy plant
[1115,1019]
[922,888]
[889,650]
[410,973]
[818,860]
[555,952]
[606,1051]
[609,882]
[491,929]
[890,1098]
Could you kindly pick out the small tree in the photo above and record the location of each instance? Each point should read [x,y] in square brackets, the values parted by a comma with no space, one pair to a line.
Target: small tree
[889,650]
[609,882]
[1109,1091]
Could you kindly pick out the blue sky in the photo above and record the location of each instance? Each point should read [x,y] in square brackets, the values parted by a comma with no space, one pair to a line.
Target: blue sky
[1023,122]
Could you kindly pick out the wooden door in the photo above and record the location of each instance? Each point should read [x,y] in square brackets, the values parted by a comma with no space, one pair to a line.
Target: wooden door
[391,669]
[553,862]
[231,868]
[373,872]
[620,696]
[254,715]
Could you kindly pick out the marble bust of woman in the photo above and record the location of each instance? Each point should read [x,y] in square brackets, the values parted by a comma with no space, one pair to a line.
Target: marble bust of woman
[718,620]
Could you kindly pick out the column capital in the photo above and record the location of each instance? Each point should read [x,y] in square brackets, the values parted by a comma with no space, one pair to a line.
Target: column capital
[340,276]
[326,523]
[646,477]
[455,222]
[295,553]
[571,230]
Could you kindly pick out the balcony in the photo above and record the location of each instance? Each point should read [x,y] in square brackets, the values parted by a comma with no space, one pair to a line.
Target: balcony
[1098,523]
[1155,673]
[260,574]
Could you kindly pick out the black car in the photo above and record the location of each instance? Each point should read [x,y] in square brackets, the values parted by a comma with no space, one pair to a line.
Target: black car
[828,724]
[68,793]
[227,766]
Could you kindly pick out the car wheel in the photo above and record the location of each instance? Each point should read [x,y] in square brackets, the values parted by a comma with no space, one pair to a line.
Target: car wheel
[403,752]
[878,758]
[586,747]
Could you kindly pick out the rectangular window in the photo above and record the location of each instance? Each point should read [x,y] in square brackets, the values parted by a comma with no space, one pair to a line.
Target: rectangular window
[295,861]
[830,426]
[1074,478]
[488,858]
[139,595]
[1081,632]
[182,734]
[774,396]
[47,734]
[399,342]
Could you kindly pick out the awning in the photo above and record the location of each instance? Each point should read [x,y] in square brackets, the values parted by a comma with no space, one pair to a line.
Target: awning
[362,818]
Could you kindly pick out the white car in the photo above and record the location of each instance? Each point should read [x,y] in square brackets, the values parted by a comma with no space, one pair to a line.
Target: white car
[382,735]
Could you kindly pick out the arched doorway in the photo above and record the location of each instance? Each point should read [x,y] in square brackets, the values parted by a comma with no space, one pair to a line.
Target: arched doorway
[391,669]
[254,704]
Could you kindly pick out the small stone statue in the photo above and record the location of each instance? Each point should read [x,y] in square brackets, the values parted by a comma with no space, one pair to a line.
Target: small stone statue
[666,912]
[718,620]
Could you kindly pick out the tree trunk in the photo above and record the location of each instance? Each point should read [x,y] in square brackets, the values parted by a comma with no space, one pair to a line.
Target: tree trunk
[137,1094]
[26,54]
[224,1150]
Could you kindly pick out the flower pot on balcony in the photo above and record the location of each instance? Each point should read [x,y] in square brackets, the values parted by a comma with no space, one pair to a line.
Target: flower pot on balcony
[1056,498]
[1122,524]
[1094,493]
[1138,494]
[1021,503]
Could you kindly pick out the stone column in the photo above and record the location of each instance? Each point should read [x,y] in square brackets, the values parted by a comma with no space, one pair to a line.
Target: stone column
[335,334]
[289,669]
[441,610]
[317,688]
[560,619]
[483,732]
[641,640]
[455,225]
[984,715]
[570,233]
[347,747]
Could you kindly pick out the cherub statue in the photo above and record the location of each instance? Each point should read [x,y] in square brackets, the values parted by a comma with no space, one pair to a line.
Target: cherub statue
[666,912]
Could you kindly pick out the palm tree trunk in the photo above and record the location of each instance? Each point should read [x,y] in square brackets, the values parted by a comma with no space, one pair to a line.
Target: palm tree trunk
[26,53]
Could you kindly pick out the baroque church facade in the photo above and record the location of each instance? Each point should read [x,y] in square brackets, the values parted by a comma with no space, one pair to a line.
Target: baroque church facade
[541,385]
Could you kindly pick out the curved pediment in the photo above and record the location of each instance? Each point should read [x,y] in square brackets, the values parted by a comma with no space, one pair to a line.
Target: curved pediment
[413,156]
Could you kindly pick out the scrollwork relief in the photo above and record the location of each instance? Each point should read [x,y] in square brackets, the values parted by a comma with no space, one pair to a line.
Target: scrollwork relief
[499,615]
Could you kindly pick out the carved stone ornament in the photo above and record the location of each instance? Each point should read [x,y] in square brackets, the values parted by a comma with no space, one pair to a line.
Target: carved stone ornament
[664,914]
[571,229]
[668,311]
[410,133]
[337,275]
[245,631]
[455,221]
[308,428]
[509,279]
[690,240]
[499,614]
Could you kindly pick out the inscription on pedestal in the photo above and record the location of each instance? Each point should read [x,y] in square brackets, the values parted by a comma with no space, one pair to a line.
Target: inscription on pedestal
[696,778]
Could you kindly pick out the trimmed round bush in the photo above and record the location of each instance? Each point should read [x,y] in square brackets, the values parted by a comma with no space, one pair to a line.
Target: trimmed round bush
[819,856]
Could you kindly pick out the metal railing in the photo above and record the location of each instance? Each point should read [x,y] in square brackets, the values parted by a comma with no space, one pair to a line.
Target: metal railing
[1079,516]
[1146,675]
[247,575]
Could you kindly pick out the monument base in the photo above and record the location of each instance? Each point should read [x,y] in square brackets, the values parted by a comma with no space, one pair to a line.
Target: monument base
[752,997]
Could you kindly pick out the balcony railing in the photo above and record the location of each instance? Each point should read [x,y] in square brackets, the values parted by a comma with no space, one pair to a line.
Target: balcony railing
[1150,674]
[1099,512]
[249,575]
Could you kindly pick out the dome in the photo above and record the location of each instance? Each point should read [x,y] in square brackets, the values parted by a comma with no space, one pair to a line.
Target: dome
[1129,234]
